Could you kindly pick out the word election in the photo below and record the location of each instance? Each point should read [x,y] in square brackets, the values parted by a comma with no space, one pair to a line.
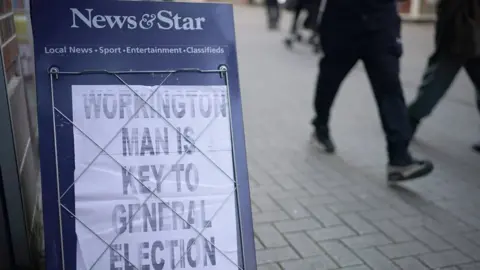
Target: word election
[178,104]
[165,254]
[163,19]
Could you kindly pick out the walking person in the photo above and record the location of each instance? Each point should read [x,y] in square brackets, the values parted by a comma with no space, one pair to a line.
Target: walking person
[273,13]
[367,30]
[297,7]
[457,45]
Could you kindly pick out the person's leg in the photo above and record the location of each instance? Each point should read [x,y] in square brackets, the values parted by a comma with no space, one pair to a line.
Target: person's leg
[334,67]
[478,100]
[473,70]
[293,35]
[277,13]
[472,67]
[310,22]
[438,76]
[273,13]
[381,58]
[476,146]
[268,8]
[296,16]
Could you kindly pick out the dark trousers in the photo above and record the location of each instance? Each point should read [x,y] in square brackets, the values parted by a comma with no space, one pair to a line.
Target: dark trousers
[380,51]
[273,11]
[296,16]
[439,74]
[310,22]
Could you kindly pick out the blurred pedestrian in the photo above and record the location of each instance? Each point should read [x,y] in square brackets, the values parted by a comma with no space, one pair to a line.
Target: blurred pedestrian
[273,13]
[311,7]
[367,30]
[457,45]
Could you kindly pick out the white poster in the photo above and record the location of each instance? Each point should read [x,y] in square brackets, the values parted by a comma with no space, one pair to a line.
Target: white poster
[151,200]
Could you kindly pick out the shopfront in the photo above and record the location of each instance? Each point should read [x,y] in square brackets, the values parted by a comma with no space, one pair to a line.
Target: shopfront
[19,168]
[417,10]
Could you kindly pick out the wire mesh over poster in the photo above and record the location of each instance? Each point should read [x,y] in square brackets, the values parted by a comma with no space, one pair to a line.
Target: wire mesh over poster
[154,182]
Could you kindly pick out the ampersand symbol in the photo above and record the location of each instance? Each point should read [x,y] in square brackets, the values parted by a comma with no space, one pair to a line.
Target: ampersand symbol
[147,21]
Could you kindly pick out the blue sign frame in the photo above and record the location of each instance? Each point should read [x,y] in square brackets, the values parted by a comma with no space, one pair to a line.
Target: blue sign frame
[209,42]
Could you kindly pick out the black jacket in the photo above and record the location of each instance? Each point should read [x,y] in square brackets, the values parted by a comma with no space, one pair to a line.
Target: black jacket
[356,15]
[348,23]
[454,34]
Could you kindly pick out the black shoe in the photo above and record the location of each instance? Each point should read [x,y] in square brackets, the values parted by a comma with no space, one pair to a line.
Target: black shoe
[476,147]
[323,142]
[298,37]
[288,42]
[414,170]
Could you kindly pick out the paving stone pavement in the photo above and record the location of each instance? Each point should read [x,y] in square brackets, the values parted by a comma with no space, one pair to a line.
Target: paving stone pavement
[313,211]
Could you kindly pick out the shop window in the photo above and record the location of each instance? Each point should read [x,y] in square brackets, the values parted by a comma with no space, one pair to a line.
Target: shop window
[7,28]
[10,59]
[5,6]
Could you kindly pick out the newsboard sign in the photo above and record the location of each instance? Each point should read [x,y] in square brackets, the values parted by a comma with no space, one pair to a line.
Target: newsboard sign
[141,136]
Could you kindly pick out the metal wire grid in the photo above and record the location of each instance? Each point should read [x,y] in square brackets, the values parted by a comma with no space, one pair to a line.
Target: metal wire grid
[55,73]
